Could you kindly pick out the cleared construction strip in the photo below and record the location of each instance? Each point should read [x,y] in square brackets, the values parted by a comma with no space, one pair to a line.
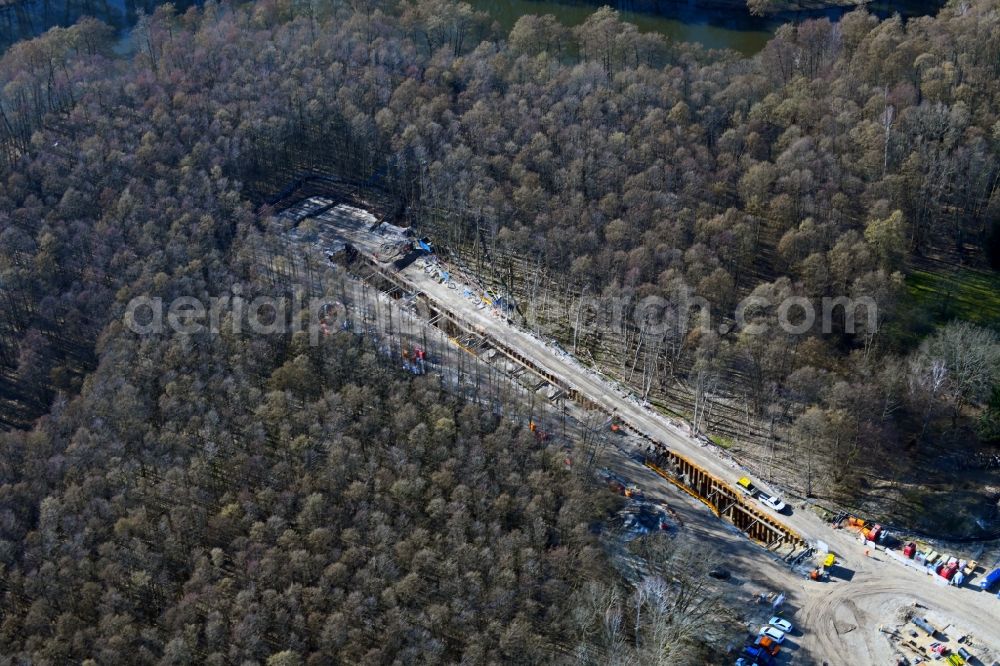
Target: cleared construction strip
[719,496]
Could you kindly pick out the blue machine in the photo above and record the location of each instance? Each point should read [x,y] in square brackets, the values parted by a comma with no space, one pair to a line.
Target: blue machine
[991,580]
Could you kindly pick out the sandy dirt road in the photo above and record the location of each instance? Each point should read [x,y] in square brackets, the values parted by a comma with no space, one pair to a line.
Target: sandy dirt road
[840,619]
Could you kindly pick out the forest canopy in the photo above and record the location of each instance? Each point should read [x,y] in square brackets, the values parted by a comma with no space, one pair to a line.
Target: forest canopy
[169,499]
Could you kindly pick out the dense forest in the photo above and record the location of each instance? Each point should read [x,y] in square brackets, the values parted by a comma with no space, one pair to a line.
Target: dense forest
[237,499]
[176,498]
[206,503]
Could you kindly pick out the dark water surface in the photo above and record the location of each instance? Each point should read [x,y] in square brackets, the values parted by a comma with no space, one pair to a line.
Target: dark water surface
[24,19]
[712,23]
[715,24]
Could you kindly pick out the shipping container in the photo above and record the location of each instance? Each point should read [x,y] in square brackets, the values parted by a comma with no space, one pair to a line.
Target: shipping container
[990,580]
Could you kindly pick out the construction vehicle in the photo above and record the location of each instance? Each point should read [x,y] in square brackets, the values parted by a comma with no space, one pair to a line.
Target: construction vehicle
[747,487]
[391,250]
[949,569]
[870,531]
[759,655]
[542,436]
[767,644]
[633,490]
[821,572]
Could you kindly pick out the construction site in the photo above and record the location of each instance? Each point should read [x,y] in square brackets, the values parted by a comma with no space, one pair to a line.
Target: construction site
[855,593]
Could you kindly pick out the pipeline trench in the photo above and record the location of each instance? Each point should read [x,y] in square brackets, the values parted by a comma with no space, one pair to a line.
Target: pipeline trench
[719,496]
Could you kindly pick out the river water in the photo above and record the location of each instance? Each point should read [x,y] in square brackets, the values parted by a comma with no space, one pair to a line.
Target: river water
[714,25]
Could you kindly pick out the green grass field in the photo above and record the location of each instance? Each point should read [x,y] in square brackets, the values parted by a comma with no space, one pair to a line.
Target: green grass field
[962,293]
[721,442]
